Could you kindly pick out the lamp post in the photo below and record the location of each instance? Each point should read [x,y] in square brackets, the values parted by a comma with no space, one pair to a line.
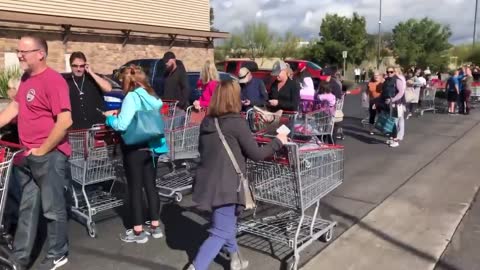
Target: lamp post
[379,34]
[475,24]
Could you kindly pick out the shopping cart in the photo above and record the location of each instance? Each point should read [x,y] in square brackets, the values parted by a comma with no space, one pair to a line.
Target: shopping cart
[171,115]
[315,124]
[8,152]
[92,162]
[183,145]
[428,100]
[295,181]
[260,120]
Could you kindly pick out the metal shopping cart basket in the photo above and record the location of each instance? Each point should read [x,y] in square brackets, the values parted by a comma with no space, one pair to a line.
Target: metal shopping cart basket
[92,162]
[261,121]
[183,145]
[428,100]
[317,124]
[295,181]
[8,152]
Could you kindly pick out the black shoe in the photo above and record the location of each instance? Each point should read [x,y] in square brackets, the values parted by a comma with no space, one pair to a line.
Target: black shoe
[52,263]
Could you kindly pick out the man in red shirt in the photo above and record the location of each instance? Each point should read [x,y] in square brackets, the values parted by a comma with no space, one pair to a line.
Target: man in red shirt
[42,107]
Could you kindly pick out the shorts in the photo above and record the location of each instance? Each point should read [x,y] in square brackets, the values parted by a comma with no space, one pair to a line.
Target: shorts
[452,96]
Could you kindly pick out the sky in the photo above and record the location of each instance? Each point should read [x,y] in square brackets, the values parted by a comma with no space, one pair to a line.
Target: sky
[303,17]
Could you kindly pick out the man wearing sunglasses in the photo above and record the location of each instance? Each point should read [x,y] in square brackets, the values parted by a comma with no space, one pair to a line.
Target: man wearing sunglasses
[86,92]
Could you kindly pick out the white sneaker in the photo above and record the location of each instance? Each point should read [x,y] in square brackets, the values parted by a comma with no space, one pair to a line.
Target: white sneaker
[394,144]
[389,142]
[409,115]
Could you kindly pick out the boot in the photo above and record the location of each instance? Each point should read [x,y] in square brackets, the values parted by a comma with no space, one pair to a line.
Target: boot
[236,261]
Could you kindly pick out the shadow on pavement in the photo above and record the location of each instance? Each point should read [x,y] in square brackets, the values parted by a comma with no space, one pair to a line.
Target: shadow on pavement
[183,233]
[122,258]
[421,254]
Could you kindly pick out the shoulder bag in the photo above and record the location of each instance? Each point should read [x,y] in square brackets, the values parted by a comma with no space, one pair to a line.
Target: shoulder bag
[243,186]
[147,124]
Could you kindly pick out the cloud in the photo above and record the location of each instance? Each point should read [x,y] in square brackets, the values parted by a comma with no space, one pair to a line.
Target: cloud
[304,17]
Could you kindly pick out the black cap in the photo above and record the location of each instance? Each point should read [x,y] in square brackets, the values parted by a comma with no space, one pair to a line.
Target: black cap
[167,56]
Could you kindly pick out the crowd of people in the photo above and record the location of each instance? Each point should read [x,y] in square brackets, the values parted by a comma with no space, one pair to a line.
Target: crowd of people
[46,105]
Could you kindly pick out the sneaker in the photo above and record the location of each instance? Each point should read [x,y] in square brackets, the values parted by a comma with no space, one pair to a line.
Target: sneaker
[394,144]
[131,237]
[52,263]
[409,115]
[237,262]
[389,142]
[155,233]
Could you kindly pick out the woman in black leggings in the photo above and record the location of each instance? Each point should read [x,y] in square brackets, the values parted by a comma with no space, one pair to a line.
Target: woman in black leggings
[139,160]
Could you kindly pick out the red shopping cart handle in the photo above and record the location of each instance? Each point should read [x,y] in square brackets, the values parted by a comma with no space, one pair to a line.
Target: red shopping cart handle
[12,145]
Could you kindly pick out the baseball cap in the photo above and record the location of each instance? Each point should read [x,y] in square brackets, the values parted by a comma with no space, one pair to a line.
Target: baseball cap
[167,56]
[243,75]
[278,67]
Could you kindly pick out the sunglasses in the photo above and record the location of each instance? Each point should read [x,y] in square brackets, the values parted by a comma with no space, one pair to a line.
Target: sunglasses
[390,72]
[78,66]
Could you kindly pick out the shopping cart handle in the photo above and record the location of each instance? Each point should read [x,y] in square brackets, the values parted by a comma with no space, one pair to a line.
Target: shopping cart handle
[12,145]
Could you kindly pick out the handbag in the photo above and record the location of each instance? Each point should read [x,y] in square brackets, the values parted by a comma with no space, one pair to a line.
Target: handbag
[385,122]
[243,187]
[147,124]
[410,96]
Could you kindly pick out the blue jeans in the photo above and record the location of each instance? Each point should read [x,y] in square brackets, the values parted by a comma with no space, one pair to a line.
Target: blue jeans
[222,233]
[44,183]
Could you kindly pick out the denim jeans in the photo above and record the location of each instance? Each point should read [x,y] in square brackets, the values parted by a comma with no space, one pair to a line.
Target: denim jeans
[44,182]
[222,233]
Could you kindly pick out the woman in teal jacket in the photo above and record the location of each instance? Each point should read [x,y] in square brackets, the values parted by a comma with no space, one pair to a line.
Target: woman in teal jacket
[139,161]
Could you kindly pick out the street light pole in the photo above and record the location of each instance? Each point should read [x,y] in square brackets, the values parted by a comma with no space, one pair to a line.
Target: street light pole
[475,24]
[379,35]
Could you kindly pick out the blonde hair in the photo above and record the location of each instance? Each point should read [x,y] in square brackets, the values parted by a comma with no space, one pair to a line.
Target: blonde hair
[209,72]
[225,99]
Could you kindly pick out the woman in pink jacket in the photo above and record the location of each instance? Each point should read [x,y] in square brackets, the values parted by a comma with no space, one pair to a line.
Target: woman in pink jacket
[209,80]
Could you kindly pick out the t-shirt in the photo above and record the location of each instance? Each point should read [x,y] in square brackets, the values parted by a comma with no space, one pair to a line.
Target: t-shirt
[41,98]
[84,106]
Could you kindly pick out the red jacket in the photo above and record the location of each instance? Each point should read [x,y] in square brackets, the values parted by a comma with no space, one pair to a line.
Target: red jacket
[207,94]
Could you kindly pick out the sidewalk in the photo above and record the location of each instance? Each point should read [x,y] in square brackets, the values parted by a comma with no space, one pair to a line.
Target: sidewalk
[413,226]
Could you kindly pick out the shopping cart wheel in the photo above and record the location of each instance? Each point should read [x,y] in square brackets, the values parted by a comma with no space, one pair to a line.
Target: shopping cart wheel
[92,231]
[178,197]
[327,237]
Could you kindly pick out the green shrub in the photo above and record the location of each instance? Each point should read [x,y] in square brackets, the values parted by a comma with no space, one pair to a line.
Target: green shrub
[5,76]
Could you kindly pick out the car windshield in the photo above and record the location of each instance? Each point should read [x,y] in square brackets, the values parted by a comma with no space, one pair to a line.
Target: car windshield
[314,66]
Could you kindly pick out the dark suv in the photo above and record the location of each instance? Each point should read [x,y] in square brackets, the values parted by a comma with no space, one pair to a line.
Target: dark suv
[155,69]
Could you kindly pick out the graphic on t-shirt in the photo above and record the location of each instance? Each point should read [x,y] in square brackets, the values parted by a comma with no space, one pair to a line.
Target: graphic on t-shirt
[31,95]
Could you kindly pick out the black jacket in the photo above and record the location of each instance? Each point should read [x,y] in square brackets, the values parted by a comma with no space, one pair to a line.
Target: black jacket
[216,181]
[288,96]
[176,86]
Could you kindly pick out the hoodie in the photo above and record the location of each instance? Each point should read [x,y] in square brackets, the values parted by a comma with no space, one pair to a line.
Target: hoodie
[131,104]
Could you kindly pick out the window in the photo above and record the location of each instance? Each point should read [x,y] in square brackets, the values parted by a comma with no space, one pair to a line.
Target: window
[313,66]
[11,60]
[68,68]
[232,67]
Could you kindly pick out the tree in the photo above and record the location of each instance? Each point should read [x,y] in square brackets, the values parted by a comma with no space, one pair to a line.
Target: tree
[287,46]
[313,52]
[258,39]
[422,43]
[339,33]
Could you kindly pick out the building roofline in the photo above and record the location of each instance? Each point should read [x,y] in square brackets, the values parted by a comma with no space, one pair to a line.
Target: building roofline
[39,19]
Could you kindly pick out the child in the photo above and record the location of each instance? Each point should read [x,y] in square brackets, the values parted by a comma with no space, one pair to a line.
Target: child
[325,98]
